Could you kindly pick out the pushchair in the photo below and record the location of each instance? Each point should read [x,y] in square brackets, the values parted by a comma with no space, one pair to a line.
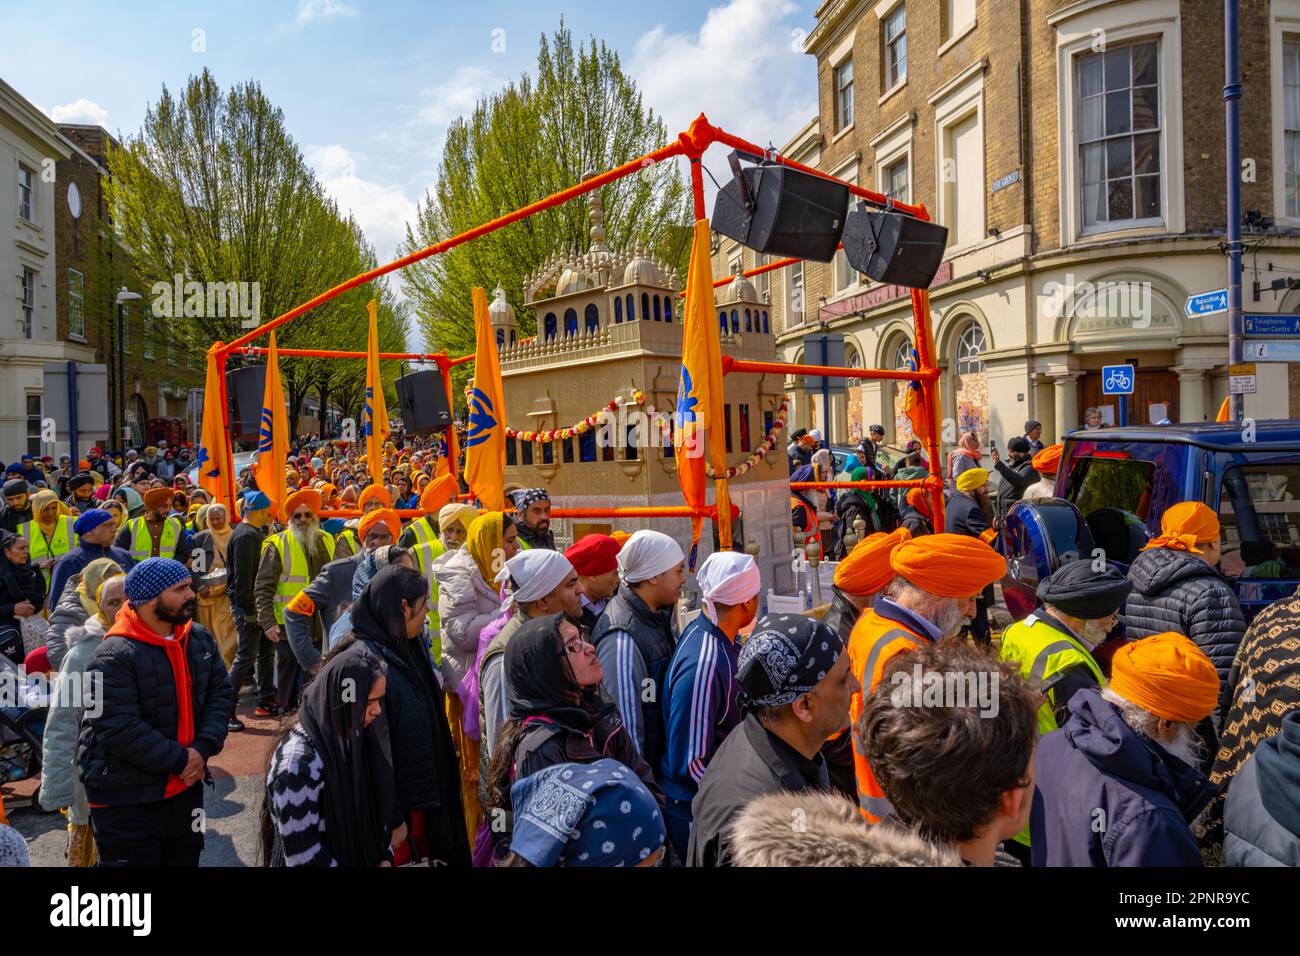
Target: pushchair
[24,707]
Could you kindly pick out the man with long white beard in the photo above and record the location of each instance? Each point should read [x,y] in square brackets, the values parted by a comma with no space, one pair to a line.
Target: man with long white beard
[939,578]
[290,560]
[1118,785]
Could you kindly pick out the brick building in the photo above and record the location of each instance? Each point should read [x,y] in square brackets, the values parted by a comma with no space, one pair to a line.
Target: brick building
[1075,151]
[159,371]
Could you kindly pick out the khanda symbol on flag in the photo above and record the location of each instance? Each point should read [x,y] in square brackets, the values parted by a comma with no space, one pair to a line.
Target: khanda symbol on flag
[485,443]
[214,451]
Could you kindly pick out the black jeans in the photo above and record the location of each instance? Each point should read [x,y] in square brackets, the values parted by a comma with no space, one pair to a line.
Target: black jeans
[163,833]
[253,649]
[287,675]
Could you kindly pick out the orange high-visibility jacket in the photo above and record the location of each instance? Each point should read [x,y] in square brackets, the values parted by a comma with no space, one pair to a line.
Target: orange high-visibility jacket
[875,640]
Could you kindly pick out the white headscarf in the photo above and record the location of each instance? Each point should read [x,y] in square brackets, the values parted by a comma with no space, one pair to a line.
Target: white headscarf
[727,577]
[536,572]
[647,554]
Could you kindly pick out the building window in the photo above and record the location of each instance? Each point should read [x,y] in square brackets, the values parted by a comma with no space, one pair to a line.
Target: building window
[962,175]
[895,181]
[512,454]
[618,310]
[896,47]
[631,449]
[763,280]
[1291,124]
[736,266]
[749,325]
[567,450]
[645,307]
[501,339]
[548,326]
[668,308]
[903,355]
[735,321]
[570,322]
[591,316]
[27,312]
[844,95]
[766,328]
[607,448]
[34,425]
[587,445]
[26,193]
[631,313]
[959,16]
[548,453]
[744,428]
[795,283]
[658,310]
[970,345]
[722,321]
[526,452]
[1119,134]
[726,412]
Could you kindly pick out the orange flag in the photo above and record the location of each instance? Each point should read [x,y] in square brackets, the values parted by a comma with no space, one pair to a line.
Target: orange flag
[699,395]
[1225,410]
[375,421]
[485,442]
[273,438]
[214,449]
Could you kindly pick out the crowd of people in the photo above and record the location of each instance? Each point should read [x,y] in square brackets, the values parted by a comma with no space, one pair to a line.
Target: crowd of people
[453,688]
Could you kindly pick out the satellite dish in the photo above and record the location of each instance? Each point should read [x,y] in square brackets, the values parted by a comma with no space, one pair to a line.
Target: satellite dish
[74,200]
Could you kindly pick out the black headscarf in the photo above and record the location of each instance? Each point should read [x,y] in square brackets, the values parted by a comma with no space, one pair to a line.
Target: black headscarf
[23,582]
[539,677]
[358,799]
[377,616]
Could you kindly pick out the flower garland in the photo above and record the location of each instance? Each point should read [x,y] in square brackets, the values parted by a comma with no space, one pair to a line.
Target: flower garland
[659,418]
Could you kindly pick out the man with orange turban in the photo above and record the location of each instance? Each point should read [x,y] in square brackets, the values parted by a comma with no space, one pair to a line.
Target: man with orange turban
[1046,462]
[424,529]
[916,515]
[1177,587]
[291,559]
[937,580]
[1119,786]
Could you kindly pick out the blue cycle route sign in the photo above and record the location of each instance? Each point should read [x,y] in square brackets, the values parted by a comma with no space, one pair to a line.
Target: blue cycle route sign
[1206,303]
[1118,379]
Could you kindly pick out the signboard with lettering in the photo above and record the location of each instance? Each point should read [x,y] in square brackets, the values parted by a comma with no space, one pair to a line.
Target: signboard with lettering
[1271,325]
[1206,303]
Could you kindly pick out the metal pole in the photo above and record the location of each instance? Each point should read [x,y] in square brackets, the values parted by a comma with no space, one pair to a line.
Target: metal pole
[121,378]
[1232,112]
[72,416]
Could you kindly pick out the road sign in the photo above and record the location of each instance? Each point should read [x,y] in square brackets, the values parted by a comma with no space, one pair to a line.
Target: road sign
[1206,303]
[1271,325]
[1241,379]
[1118,379]
[1283,350]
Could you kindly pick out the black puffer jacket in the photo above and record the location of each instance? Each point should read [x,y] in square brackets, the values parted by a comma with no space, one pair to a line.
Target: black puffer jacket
[1177,591]
[128,749]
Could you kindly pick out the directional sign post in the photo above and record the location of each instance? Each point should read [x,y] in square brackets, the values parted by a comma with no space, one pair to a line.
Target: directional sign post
[1271,326]
[1206,303]
[1267,350]
[1119,380]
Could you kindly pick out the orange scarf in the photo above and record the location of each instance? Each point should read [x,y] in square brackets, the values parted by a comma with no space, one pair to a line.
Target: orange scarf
[129,625]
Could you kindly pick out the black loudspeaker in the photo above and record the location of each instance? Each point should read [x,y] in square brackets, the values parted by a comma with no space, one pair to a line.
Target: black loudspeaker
[245,388]
[423,402]
[782,211]
[891,247]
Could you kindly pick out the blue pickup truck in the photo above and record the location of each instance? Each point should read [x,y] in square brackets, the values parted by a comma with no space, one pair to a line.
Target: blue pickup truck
[1114,485]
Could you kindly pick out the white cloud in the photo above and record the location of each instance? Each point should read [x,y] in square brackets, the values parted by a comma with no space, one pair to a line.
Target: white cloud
[80,111]
[744,69]
[457,96]
[309,10]
[382,210]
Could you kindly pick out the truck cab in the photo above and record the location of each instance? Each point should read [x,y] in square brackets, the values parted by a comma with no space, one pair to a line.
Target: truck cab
[1114,485]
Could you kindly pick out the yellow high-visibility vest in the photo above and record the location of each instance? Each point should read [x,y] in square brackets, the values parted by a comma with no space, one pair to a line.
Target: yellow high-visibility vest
[424,533]
[142,540]
[349,538]
[295,572]
[55,546]
[425,555]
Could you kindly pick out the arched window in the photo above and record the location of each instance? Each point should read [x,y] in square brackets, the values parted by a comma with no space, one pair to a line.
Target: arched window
[766,328]
[570,322]
[970,345]
[852,357]
[658,312]
[548,326]
[749,327]
[645,307]
[735,321]
[618,309]
[501,338]
[668,308]
[591,317]
[722,321]
[902,356]
[513,339]
[631,312]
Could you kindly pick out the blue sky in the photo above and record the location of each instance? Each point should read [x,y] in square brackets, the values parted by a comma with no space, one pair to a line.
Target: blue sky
[368,89]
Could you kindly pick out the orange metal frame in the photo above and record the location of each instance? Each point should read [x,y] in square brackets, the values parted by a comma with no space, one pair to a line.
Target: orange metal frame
[691,144]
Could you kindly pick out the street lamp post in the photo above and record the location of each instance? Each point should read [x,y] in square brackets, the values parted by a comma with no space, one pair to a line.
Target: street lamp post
[123,296]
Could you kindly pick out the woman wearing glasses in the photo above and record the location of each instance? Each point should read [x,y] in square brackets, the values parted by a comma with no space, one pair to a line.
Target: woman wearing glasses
[557,713]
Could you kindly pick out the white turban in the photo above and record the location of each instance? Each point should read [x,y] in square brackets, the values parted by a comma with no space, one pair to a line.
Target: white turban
[727,577]
[536,573]
[647,554]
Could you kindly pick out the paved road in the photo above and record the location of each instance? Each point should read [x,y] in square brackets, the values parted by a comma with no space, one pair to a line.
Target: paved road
[232,805]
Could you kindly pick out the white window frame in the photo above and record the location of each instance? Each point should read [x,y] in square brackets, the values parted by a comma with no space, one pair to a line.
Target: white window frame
[33,199]
[1077,32]
[891,9]
[837,113]
[893,144]
[955,33]
[77,307]
[848,172]
[954,103]
[1284,26]
[795,319]
[27,307]
[762,281]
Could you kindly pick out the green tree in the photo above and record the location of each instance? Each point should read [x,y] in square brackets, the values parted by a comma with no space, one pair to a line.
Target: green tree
[214,189]
[582,113]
